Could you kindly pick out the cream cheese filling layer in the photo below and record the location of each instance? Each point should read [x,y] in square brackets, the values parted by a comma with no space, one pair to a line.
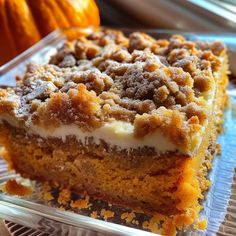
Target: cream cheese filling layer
[117,134]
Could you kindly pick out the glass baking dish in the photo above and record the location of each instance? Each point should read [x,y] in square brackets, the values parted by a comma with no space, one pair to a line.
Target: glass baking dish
[219,206]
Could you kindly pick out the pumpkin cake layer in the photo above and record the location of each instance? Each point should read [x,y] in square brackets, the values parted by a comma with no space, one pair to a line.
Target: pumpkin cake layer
[133,120]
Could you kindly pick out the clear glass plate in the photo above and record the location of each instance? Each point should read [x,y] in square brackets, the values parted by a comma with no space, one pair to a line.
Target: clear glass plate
[219,206]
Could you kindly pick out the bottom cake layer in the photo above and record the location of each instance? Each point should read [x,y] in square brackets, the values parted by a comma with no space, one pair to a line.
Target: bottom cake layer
[166,184]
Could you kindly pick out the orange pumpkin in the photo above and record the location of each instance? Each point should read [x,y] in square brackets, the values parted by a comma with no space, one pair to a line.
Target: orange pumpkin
[24,22]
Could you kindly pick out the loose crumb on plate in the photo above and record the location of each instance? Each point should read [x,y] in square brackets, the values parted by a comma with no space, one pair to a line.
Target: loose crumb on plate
[61,208]
[12,187]
[128,217]
[46,192]
[201,224]
[64,197]
[218,149]
[94,214]
[81,203]
[106,214]
[154,224]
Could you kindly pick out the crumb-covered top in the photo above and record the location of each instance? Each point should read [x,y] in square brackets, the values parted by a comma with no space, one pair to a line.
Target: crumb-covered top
[152,84]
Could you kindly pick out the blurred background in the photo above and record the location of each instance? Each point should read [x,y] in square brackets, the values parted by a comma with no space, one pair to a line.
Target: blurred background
[187,15]
[31,20]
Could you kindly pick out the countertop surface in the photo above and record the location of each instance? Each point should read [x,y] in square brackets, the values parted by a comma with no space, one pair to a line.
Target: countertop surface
[3,230]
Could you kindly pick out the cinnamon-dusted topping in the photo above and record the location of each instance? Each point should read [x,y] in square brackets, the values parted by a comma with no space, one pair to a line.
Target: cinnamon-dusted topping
[109,76]
[106,36]
[78,105]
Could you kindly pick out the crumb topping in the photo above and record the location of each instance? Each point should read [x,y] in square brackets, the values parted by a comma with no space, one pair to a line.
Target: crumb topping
[107,76]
